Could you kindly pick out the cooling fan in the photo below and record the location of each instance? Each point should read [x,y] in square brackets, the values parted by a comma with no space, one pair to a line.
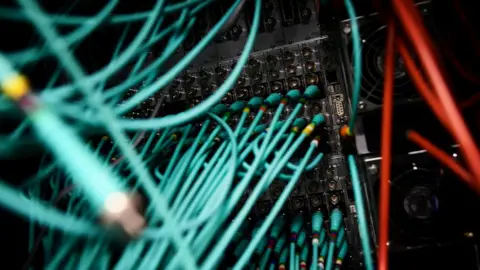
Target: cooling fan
[373,52]
[373,34]
[429,205]
[416,205]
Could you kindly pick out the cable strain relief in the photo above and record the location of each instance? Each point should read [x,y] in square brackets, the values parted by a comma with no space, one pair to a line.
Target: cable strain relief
[264,107]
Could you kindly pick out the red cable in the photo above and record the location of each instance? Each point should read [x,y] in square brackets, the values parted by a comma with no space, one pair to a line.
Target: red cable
[386,145]
[421,85]
[409,15]
[443,158]
[424,89]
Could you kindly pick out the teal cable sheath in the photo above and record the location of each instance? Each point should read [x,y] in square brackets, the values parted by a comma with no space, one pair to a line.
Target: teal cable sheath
[362,220]
[174,158]
[67,20]
[66,91]
[169,76]
[284,128]
[91,252]
[66,58]
[357,61]
[291,258]
[173,44]
[77,35]
[275,210]
[43,25]
[241,122]
[183,169]
[314,257]
[227,181]
[221,244]
[97,182]
[66,248]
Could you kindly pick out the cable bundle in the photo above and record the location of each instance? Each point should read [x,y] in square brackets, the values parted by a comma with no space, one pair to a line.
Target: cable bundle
[164,197]
[168,219]
[274,252]
[195,183]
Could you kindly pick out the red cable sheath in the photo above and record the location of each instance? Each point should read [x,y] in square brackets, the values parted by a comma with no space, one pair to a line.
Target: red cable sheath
[408,15]
[421,85]
[443,157]
[386,137]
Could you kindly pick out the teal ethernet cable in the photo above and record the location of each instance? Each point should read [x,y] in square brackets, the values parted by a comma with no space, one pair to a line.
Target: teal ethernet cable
[77,35]
[274,212]
[217,109]
[257,253]
[279,246]
[201,186]
[272,241]
[268,177]
[318,119]
[218,198]
[244,183]
[336,220]
[217,222]
[253,104]
[89,253]
[271,100]
[45,28]
[298,248]
[340,237]
[69,20]
[245,110]
[304,257]
[317,227]
[323,254]
[62,253]
[214,256]
[62,92]
[239,234]
[293,95]
[183,168]
[231,168]
[341,255]
[200,109]
[240,248]
[98,183]
[283,259]
[284,128]
[36,211]
[290,165]
[174,43]
[175,156]
[186,201]
[360,206]
[297,125]
[357,61]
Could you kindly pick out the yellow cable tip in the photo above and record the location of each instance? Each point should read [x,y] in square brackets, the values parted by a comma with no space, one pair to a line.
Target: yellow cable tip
[308,129]
[15,87]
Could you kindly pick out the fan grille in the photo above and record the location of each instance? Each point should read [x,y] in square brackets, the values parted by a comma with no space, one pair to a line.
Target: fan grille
[373,51]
